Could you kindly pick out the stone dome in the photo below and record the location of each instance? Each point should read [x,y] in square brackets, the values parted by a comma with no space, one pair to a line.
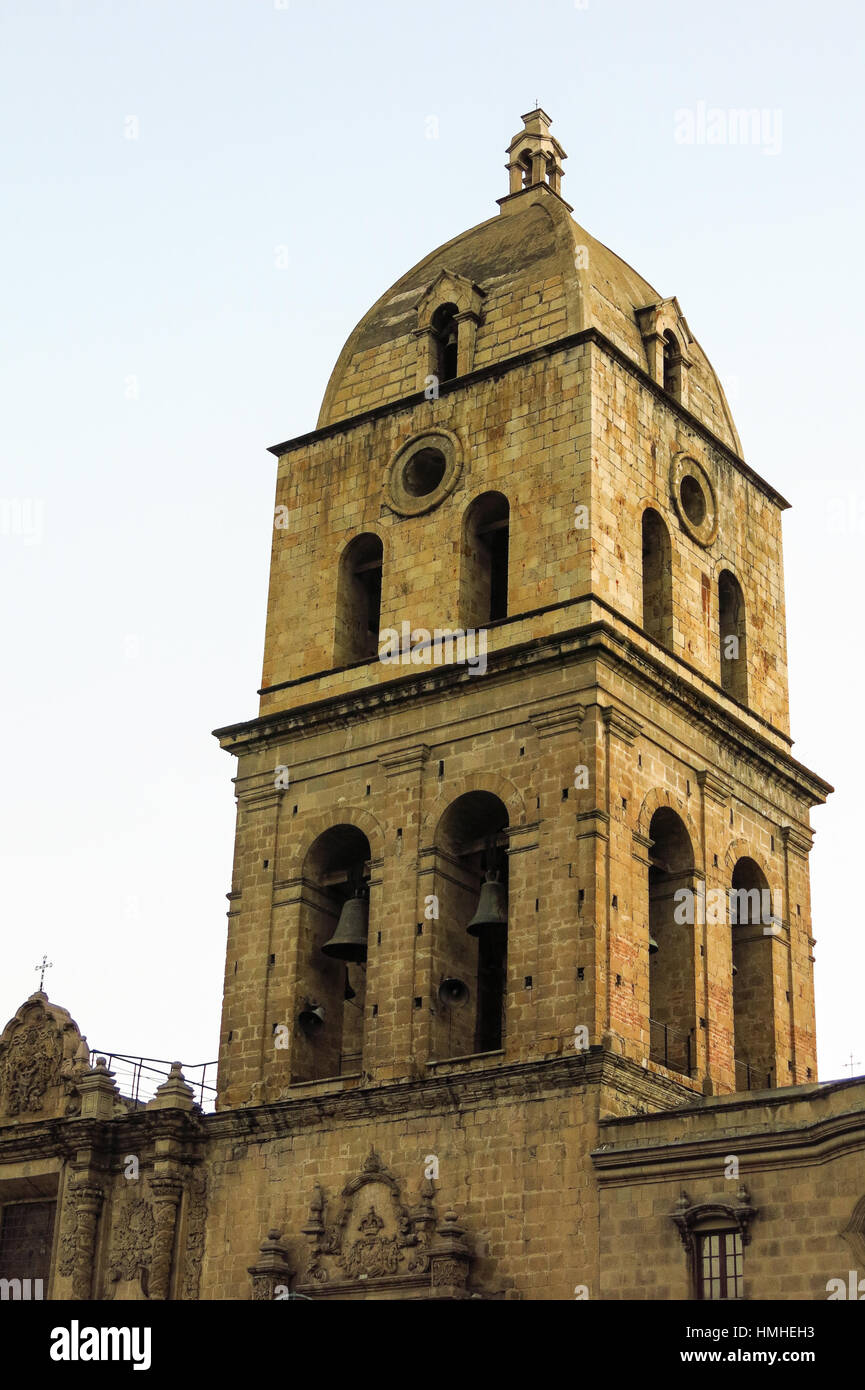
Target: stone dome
[537,276]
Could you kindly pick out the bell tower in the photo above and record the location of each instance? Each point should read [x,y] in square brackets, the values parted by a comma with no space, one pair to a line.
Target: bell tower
[521,785]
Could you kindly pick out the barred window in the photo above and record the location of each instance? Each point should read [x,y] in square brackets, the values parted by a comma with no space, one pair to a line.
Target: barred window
[26,1231]
[719,1265]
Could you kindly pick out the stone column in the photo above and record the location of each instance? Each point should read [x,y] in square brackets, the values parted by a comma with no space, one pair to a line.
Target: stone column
[87,1198]
[166,1196]
[398,1038]
[714,935]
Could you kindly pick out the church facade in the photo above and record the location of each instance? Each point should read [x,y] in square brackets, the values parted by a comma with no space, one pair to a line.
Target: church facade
[518,994]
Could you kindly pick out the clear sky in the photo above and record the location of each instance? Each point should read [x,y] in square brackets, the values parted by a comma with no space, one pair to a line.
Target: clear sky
[200,200]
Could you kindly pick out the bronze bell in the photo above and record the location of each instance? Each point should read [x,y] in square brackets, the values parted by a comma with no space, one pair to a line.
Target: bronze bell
[653,945]
[311,1019]
[349,940]
[492,909]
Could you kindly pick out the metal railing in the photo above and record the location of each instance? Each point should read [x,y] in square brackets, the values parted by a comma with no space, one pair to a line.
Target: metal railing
[750,1078]
[671,1047]
[139,1078]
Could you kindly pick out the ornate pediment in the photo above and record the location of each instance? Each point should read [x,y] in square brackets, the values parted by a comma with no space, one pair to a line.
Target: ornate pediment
[371,1244]
[42,1056]
[689,1216]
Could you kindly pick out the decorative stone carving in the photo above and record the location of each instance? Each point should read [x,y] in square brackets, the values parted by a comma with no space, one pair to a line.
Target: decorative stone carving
[373,1252]
[449,1259]
[131,1245]
[42,1057]
[376,1239]
[687,1216]
[78,1242]
[196,1226]
[39,1062]
[166,1196]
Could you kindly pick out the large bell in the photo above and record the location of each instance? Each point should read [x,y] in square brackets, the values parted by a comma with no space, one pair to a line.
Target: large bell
[653,946]
[492,909]
[349,940]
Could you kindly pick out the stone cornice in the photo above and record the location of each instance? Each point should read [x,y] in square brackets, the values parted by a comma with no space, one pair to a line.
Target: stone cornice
[67,1139]
[767,1142]
[400,760]
[714,788]
[564,718]
[445,1092]
[574,645]
[497,369]
[797,841]
[620,723]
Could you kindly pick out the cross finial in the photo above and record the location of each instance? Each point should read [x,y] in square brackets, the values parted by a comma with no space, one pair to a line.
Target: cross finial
[851,1064]
[46,964]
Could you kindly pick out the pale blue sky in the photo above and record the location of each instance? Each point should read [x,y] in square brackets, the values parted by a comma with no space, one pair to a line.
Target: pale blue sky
[133,611]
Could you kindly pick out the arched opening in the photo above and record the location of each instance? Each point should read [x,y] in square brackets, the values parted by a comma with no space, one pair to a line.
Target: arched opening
[484,573]
[731,624]
[525,162]
[751,914]
[672,365]
[657,579]
[471,936]
[446,332]
[331,982]
[359,600]
[672,943]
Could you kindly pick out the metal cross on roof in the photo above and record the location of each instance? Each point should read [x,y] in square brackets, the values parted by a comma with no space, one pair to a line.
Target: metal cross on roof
[851,1064]
[44,964]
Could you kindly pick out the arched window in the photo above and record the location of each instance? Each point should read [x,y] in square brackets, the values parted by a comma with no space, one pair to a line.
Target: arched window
[672,365]
[358,600]
[484,572]
[446,332]
[731,624]
[657,579]
[672,914]
[331,980]
[471,935]
[526,168]
[752,924]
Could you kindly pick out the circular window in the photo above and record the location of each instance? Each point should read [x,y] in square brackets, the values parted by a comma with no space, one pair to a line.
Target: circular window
[693,500]
[423,472]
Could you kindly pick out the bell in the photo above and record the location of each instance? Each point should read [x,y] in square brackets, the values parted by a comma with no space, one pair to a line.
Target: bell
[492,909]
[653,946]
[311,1019]
[453,992]
[349,940]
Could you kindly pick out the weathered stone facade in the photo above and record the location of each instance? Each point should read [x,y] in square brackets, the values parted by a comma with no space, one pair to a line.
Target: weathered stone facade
[524,442]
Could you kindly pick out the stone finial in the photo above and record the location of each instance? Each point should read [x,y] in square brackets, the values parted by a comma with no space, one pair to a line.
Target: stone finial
[449,1259]
[98,1091]
[271,1269]
[175,1093]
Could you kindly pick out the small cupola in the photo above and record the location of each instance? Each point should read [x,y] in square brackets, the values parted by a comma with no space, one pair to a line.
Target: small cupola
[535,156]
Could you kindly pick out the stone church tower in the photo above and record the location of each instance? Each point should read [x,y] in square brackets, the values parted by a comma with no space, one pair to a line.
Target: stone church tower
[522,440]
[519,938]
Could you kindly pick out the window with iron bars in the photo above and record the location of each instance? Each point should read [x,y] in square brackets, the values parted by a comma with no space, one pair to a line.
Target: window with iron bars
[719,1265]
